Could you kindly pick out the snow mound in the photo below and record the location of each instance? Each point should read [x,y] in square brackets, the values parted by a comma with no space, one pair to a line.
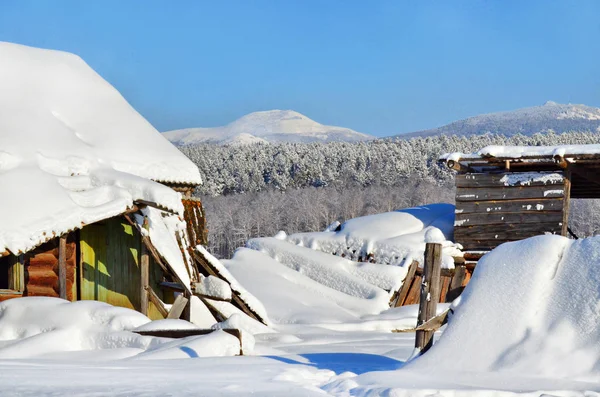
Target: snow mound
[55,328]
[69,134]
[395,238]
[531,308]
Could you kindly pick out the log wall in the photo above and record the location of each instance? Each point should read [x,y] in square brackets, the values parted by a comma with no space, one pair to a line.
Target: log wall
[491,210]
[41,271]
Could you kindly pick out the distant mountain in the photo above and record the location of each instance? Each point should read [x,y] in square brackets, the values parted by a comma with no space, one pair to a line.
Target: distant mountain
[267,126]
[551,116]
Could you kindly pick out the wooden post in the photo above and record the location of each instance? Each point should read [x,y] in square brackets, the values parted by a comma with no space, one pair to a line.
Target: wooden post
[145,279]
[567,202]
[62,266]
[430,294]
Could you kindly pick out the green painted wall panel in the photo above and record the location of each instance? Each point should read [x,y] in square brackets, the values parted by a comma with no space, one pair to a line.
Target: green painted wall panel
[109,260]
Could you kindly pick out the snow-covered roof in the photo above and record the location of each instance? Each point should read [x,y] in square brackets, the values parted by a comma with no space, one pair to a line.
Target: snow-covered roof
[523,152]
[72,150]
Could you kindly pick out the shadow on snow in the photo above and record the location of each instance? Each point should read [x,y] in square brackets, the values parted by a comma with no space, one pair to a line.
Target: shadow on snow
[358,363]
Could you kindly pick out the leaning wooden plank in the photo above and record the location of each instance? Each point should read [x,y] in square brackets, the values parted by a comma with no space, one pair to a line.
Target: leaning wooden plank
[410,275]
[178,307]
[414,292]
[508,193]
[435,323]
[504,218]
[207,269]
[160,306]
[542,178]
[144,279]
[456,288]
[525,205]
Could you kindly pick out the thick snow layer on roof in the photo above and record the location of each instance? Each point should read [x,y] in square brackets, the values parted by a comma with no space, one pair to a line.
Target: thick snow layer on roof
[72,150]
[395,238]
[525,151]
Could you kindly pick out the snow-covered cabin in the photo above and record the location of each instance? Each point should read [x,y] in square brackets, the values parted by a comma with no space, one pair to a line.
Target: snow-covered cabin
[90,202]
[508,193]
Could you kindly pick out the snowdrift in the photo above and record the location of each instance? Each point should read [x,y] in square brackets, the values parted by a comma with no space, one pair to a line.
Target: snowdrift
[533,307]
[529,321]
[44,327]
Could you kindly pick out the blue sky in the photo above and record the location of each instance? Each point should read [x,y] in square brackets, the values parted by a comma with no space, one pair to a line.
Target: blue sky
[379,67]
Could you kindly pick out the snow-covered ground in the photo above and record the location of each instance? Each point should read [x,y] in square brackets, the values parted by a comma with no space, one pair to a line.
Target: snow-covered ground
[527,324]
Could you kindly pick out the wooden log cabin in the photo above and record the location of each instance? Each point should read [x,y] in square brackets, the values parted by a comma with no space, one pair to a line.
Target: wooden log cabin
[511,193]
[94,202]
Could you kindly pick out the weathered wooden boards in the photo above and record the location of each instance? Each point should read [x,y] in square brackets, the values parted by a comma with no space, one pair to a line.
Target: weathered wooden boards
[430,294]
[452,283]
[493,208]
[195,221]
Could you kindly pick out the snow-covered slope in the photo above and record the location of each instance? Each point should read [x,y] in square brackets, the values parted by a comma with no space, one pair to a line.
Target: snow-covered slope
[267,126]
[551,116]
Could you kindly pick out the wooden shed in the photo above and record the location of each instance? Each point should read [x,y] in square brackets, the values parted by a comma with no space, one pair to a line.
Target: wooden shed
[512,193]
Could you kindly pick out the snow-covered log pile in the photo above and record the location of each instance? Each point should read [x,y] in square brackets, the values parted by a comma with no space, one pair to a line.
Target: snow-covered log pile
[395,238]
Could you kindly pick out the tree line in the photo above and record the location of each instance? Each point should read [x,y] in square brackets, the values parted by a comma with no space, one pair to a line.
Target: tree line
[257,190]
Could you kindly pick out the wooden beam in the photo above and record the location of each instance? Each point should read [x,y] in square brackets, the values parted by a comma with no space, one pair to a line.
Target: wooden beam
[178,307]
[567,205]
[508,193]
[430,294]
[456,287]
[435,323]
[160,306]
[145,279]
[584,172]
[520,205]
[403,292]
[62,266]
[203,263]
[500,179]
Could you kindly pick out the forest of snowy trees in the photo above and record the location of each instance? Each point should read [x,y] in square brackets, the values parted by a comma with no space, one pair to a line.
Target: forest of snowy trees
[257,190]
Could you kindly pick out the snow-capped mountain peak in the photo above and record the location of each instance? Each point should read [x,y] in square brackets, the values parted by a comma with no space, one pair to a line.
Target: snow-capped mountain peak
[551,116]
[266,126]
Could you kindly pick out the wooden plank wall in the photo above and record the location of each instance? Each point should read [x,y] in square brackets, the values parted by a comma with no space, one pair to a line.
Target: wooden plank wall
[110,272]
[490,212]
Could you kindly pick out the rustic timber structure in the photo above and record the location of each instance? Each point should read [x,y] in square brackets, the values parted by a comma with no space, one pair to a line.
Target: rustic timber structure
[511,193]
